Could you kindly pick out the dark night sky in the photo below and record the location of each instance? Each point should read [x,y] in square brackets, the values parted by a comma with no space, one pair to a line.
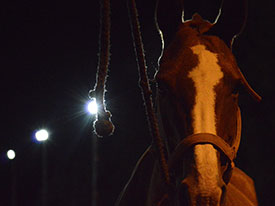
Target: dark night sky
[48,64]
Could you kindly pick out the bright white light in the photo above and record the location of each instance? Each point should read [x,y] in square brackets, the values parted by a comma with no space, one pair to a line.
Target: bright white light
[92,106]
[11,154]
[41,135]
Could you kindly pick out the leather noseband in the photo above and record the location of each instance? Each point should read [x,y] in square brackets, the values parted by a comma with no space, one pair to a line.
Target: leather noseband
[202,138]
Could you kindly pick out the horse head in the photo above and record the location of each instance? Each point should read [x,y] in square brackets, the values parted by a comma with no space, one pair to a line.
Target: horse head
[198,81]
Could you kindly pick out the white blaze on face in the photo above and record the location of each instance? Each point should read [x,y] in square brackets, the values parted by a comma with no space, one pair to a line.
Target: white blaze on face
[206,166]
[206,75]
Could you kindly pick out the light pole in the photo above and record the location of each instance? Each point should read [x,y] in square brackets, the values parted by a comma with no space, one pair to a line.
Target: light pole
[92,108]
[11,156]
[42,136]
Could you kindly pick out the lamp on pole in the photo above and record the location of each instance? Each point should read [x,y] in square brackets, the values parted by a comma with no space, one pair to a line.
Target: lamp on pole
[11,156]
[92,109]
[42,136]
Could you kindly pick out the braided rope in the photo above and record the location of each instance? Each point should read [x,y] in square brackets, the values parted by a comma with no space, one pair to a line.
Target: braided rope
[146,91]
[103,125]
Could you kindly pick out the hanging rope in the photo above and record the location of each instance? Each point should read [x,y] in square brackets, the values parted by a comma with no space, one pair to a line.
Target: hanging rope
[103,125]
[146,91]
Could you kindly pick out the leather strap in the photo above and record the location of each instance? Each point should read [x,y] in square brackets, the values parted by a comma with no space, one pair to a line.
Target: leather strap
[237,139]
[202,138]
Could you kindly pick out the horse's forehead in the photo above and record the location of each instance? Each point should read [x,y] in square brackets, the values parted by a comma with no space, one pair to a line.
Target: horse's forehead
[207,73]
[208,53]
[176,70]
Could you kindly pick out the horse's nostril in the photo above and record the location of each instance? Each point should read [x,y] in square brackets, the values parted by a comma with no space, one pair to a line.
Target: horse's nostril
[223,193]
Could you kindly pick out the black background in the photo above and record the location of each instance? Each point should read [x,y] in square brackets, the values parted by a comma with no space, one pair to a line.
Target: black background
[48,65]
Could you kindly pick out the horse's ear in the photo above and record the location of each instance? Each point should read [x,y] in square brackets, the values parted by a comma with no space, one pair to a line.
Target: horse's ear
[231,21]
[168,16]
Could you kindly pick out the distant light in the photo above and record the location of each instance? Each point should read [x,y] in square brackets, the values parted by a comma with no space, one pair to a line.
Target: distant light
[42,135]
[11,154]
[92,106]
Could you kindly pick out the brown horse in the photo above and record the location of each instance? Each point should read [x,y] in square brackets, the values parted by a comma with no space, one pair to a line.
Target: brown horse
[197,97]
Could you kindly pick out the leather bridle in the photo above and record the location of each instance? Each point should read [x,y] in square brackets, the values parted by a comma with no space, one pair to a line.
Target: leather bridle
[201,138]
[229,151]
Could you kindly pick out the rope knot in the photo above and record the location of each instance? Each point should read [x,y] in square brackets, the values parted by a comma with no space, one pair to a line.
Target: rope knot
[103,125]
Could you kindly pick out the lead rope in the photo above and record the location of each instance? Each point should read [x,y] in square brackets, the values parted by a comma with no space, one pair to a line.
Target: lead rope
[103,125]
[146,91]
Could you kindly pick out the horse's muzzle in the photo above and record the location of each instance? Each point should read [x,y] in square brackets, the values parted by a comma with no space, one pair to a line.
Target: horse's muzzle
[191,194]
